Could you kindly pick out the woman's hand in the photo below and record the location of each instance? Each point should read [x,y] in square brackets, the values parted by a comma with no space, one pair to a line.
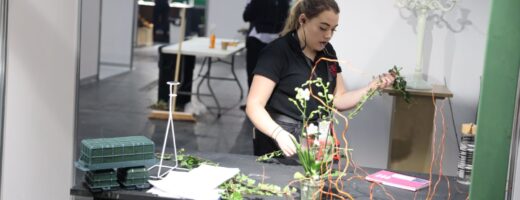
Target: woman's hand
[382,81]
[285,141]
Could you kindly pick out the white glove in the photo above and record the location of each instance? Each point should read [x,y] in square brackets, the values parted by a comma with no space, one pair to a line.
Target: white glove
[285,142]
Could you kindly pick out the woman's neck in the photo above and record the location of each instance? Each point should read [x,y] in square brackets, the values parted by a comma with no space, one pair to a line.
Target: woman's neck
[307,51]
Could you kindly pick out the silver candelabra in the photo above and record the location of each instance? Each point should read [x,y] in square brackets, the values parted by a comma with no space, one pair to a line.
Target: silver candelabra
[422,9]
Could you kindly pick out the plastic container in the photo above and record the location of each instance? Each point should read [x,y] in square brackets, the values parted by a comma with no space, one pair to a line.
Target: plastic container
[102,180]
[465,166]
[120,152]
[212,40]
[136,177]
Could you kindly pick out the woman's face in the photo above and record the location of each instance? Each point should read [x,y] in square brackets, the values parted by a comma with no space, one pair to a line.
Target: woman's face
[319,30]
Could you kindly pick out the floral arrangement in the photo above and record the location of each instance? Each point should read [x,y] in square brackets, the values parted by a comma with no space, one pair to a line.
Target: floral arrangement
[316,148]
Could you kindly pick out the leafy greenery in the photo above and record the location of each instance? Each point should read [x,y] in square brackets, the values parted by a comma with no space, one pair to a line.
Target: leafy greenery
[399,85]
[160,105]
[359,106]
[239,185]
[269,156]
[243,185]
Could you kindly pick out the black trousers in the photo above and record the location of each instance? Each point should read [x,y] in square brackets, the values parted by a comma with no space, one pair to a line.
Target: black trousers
[254,46]
[167,72]
[161,24]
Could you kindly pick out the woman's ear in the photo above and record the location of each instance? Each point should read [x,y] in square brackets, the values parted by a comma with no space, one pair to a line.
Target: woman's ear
[302,19]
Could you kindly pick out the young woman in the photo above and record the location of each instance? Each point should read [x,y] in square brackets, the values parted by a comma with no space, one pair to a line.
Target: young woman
[286,64]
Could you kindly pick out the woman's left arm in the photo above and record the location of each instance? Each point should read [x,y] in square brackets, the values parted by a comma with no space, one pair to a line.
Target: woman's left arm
[344,100]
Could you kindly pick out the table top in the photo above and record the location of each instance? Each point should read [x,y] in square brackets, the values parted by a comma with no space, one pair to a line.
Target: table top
[199,46]
[281,175]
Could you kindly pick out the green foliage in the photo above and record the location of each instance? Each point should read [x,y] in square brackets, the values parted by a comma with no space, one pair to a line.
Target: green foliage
[359,106]
[243,185]
[160,105]
[268,156]
[399,83]
[239,185]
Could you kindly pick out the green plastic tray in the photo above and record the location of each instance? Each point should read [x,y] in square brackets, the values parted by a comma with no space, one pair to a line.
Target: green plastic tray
[105,153]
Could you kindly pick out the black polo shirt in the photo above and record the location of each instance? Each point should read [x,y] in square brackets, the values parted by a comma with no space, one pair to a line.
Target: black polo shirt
[283,62]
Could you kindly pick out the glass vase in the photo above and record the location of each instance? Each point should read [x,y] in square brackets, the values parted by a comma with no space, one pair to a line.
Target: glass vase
[310,189]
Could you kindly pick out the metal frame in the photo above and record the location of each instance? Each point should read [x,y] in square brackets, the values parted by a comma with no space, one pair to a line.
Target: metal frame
[78,83]
[515,145]
[4,4]
[99,39]
[207,77]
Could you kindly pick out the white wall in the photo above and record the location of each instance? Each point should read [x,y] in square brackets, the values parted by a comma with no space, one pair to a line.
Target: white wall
[116,31]
[374,38]
[90,18]
[225,18]
[40,100]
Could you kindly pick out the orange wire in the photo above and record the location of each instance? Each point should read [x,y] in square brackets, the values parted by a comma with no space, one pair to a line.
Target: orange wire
[442,147]
[433,144]
[449,189]
[371,191]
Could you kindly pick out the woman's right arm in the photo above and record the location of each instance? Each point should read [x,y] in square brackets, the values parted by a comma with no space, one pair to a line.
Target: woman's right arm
[259,93]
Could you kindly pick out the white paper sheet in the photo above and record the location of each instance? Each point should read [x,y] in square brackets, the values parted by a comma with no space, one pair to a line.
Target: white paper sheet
[199,183]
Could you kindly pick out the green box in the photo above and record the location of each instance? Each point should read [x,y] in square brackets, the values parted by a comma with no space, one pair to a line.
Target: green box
[104,153]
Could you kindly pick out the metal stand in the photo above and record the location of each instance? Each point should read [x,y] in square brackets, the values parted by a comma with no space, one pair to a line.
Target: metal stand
[168,127]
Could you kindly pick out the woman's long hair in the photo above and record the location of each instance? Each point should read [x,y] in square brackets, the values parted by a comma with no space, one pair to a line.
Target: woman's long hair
[311,9]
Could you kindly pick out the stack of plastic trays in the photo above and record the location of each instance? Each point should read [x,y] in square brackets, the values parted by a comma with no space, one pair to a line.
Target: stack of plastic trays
[99,158]
[102,180]
[121,152]
[133,177]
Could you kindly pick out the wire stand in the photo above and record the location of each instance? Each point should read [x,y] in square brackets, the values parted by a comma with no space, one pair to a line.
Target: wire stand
[169,127]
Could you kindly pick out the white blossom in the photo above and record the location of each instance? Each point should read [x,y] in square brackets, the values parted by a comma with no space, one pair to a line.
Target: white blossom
[316,142]
[306,94]
[324,128]
[312,129]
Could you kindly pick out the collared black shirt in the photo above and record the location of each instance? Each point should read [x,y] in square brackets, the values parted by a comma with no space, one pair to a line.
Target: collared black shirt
[283,62]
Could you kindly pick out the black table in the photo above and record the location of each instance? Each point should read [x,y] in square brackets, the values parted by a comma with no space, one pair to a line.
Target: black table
[281,175]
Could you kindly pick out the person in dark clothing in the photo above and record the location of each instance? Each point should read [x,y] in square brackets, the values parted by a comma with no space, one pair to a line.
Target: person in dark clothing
[285,64]
[161,26]
[266,18]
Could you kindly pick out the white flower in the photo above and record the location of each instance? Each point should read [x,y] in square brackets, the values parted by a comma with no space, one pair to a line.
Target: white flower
[306,94]
[312,129]
[302,94]
[299,94]
[316,143]
[331,96]
[324,128]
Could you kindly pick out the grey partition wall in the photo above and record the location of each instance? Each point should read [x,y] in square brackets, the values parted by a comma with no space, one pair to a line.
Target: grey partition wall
[116,38]
[90,39]
[40,98]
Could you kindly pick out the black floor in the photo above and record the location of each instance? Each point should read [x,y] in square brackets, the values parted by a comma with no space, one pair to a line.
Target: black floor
[118,106]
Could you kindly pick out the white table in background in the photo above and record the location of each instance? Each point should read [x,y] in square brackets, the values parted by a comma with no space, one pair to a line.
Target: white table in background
[199,47]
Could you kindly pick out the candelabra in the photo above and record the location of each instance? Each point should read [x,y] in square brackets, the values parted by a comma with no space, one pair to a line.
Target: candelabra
[422,9]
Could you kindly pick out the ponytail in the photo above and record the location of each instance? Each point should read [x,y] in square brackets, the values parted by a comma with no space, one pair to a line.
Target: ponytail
[311,9]
[292,20]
